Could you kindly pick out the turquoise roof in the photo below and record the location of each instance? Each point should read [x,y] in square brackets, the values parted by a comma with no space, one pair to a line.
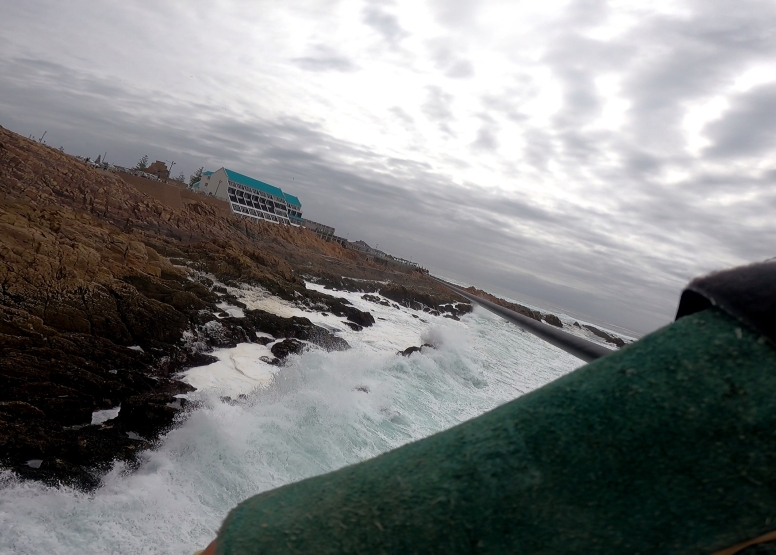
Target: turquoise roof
[291,199]
[207,173]
[254,183]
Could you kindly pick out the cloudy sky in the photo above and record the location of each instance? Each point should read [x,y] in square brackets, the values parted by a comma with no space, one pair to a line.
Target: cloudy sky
[590,154]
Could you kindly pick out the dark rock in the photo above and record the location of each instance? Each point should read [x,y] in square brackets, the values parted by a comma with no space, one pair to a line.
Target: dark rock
[346,284]
[287,347]
[363,319]
[234,301]
[264,340]
[149,414]
[207,282]
[338,306]
[231,401]
[197,359]
[227,332]
[427,300]
[353,326]
[362,388]
[553,320]
[613,339]
[376,299]
[19,409]
[409,350]
[294,327]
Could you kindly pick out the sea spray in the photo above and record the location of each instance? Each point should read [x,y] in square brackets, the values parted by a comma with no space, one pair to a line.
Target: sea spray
[317,413]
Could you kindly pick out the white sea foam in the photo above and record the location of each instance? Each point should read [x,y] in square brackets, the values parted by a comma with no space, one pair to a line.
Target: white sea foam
[239,370]
[319,412]
[100,416]
[231,310]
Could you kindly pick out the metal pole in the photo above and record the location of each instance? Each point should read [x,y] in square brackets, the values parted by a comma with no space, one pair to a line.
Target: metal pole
[572,344]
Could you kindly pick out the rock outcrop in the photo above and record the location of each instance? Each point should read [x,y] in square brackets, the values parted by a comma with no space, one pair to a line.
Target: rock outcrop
[553,320]
[608,337]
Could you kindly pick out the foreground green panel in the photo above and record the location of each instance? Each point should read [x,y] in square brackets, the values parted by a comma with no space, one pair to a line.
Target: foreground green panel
[667,446]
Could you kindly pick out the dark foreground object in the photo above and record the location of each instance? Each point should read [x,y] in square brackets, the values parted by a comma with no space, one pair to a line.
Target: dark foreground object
[666,446]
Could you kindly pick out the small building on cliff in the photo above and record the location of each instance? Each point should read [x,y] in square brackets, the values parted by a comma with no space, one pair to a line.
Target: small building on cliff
[250,197]
[159,169]
[321,230]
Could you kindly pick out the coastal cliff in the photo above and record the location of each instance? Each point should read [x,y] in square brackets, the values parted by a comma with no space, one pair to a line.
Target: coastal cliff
[104,298]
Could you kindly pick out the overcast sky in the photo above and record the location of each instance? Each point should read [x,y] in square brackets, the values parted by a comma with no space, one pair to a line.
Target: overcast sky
[594,155]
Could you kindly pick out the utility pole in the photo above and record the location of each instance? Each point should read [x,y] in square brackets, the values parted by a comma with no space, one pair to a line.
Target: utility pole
[169,171]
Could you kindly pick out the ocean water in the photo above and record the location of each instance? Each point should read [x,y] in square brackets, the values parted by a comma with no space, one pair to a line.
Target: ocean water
[319,412]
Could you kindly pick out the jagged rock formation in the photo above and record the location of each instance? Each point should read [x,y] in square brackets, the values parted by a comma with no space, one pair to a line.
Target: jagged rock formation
[409,350]
[428,300]
[609,338]
[553,320]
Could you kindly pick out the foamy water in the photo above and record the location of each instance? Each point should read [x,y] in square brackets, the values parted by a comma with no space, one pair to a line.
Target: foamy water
[306,418]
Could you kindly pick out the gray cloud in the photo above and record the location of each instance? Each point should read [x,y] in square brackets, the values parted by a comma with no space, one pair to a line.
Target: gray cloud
[487,135]
[385,23]
[460,69]
[323,58]
[456,13]
[447,58]
[748,129]
[438,108]
[616,240]
[401,115]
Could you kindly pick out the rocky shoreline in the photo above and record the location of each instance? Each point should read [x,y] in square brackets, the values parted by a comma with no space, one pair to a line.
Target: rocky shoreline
[107,295]
[104,299]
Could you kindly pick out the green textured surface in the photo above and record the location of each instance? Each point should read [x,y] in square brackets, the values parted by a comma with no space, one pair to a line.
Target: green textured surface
[667,446]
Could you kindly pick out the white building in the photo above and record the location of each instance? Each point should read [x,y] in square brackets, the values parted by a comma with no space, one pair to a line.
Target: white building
[251,197]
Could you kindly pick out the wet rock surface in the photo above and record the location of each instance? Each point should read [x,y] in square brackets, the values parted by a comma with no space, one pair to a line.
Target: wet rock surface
[376,299]
[287,347]
[428,300]
[553,320]
[337,283]
[409,350]
[609,338]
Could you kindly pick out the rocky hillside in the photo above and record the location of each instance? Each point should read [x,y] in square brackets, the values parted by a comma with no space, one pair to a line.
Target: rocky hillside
[101,293]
